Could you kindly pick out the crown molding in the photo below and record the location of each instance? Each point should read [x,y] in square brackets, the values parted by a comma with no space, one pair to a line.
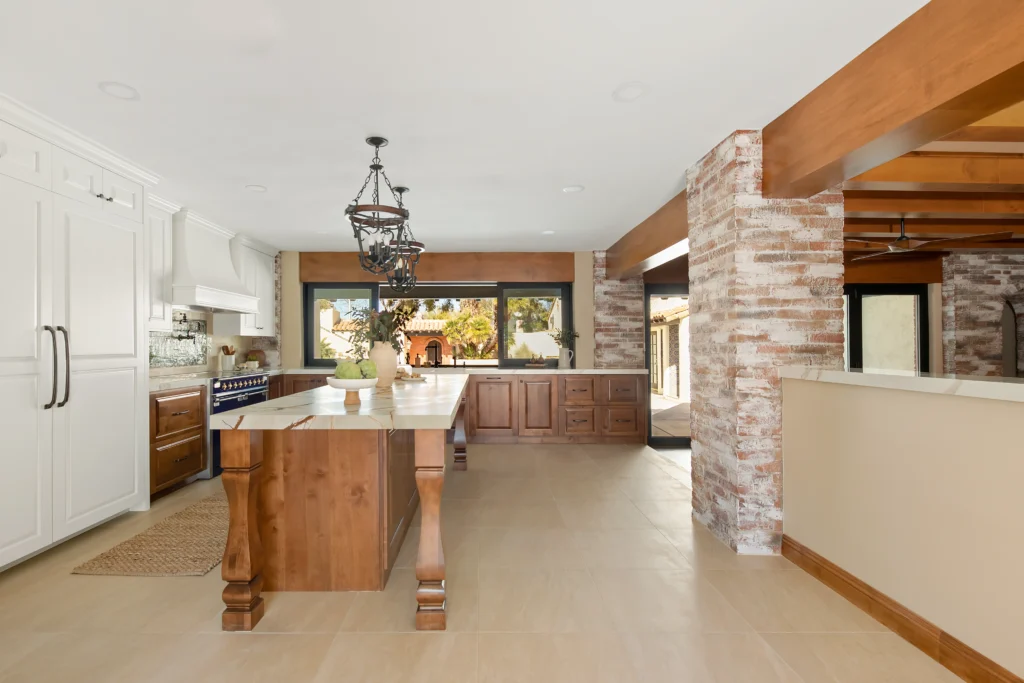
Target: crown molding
[162,204]
[31,121]
[189,215]
[261,247]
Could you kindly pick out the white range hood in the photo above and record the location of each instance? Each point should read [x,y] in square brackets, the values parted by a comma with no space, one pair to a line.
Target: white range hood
[204,274]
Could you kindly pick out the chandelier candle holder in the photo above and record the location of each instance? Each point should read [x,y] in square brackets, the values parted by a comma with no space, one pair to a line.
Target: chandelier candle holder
[402,279]
[376,225]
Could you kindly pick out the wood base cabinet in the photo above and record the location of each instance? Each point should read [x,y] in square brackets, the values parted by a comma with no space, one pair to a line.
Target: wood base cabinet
[294,384]
[177,436]
[540,408]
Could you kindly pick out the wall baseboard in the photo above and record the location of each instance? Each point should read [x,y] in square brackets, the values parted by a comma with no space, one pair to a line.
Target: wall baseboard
[964,661]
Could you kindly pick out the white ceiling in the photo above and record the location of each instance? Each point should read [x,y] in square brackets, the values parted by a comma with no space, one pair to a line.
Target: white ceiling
[491,107]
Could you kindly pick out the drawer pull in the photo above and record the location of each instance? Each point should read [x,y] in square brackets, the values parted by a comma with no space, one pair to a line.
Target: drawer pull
[581,420]
[181,459]
[577,390]
[495,378]
[181,412]
[623,420]
[623,390]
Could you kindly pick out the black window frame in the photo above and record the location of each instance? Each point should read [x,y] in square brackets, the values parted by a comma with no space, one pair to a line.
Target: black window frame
[309,315]
[455,290]
[856,319]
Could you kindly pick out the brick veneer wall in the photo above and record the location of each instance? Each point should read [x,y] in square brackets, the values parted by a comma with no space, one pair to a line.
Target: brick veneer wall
[618,319]
[975,288]
[766,291]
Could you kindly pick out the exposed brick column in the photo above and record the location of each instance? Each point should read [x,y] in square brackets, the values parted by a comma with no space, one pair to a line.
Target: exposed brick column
[766,291]
[618,319]
[975,289]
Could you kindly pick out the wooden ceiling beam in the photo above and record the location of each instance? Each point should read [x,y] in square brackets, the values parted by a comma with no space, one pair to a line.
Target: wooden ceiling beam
[925,205]
[950,64]
[987,134]
[945,172]
[1017,245]
[659,239]
[881,228]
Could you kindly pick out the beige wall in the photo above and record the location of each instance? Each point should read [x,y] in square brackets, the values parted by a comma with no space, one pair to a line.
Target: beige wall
[291,311]
[919,496]
[583,308]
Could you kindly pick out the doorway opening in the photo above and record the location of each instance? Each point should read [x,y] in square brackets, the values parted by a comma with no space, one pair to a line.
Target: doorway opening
[667,318]
[887,327]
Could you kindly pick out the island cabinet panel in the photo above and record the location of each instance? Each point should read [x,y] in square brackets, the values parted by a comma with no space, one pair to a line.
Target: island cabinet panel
[293,384]
[493,405]
[578,390]
[538,405]
[275,387]
[320,516]
[402,496]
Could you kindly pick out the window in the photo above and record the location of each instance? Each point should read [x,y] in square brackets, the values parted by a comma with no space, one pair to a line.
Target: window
[328,319]
[887,327]
[531,315]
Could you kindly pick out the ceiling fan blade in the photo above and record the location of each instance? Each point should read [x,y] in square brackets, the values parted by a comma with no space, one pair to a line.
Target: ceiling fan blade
[876,255]
[964,241]
[906,255]
[869,243]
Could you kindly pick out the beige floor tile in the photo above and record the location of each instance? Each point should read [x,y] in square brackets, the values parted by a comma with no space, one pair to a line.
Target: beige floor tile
[707,658]
[667,514]
[554,658]
[593,488]
[500,489]
[393,610]
[542,514]
[461,546]
[15,646]
[529,549]
[647,488]
[248,657]
[305,612]
[568,463]
[628,549]
[602,515]
[401,657]
[644,601]
[789,601]
[705,552]
[617,465]
[857,658]
[502,460]
[540,601]
[463,485]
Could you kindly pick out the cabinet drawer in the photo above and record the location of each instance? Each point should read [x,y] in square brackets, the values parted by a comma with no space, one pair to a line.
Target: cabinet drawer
[24,156]
[177,461]
[620,421]
[620,389]
[179,412]
[579,421]
[578,390]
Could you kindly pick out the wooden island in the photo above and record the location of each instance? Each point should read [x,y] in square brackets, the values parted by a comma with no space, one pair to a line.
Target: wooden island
[321,494]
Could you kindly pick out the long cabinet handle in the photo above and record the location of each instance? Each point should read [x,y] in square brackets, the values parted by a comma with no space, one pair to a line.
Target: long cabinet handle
[67,366]
[181,412]
[53,397]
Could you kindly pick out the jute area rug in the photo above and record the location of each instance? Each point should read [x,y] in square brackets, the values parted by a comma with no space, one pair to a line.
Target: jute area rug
[188,543]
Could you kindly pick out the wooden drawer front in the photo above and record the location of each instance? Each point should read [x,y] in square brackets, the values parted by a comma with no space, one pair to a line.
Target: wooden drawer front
[620,389]
[579,421]
[578,390]
[178,460]
[179,412]
[621,421]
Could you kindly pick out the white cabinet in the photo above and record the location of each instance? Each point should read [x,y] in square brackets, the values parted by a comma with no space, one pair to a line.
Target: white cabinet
[27,358]
[159,254]
[24,156]
[255,268]
[86,182]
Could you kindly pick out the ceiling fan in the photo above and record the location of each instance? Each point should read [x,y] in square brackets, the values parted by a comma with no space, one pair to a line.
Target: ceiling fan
[904,245]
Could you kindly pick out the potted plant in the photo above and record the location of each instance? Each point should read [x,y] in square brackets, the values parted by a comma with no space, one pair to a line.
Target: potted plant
[378,337]
[565,339]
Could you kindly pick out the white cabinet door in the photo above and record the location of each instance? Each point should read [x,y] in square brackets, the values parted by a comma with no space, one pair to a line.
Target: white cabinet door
[24,156]
[123,197]
[101,428]
[26,370]
[158,252]
[77,178]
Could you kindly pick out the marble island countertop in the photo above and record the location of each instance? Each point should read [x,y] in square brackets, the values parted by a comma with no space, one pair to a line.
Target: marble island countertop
[431,404]
[485,370]
[996,388]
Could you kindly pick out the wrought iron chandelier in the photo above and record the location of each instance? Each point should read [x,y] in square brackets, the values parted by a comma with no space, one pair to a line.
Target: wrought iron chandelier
[378,228]
[407,250]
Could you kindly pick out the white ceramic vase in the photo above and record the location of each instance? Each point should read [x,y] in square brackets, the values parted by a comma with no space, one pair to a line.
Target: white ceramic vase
[227,363]
[386,359]
[565,359]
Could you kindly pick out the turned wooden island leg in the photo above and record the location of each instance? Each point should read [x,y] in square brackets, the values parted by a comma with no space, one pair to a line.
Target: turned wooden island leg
[430,595]
[460,437]
[241,458]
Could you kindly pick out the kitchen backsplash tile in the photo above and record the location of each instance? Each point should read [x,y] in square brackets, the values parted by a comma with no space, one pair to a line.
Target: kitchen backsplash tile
[169,355]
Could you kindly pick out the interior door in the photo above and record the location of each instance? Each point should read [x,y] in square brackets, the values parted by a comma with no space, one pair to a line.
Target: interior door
[101,421]
[887,327]
[26,370]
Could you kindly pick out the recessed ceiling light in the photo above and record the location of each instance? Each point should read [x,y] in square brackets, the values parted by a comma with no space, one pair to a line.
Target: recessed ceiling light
[260,189]
[572,189]
[121,91]
[629,92]
[548,232]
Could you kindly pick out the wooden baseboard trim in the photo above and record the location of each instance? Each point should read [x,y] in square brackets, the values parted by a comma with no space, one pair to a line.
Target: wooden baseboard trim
[964,661]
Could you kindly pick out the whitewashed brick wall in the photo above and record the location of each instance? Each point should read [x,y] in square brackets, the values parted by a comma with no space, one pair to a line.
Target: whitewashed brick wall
[618,319]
